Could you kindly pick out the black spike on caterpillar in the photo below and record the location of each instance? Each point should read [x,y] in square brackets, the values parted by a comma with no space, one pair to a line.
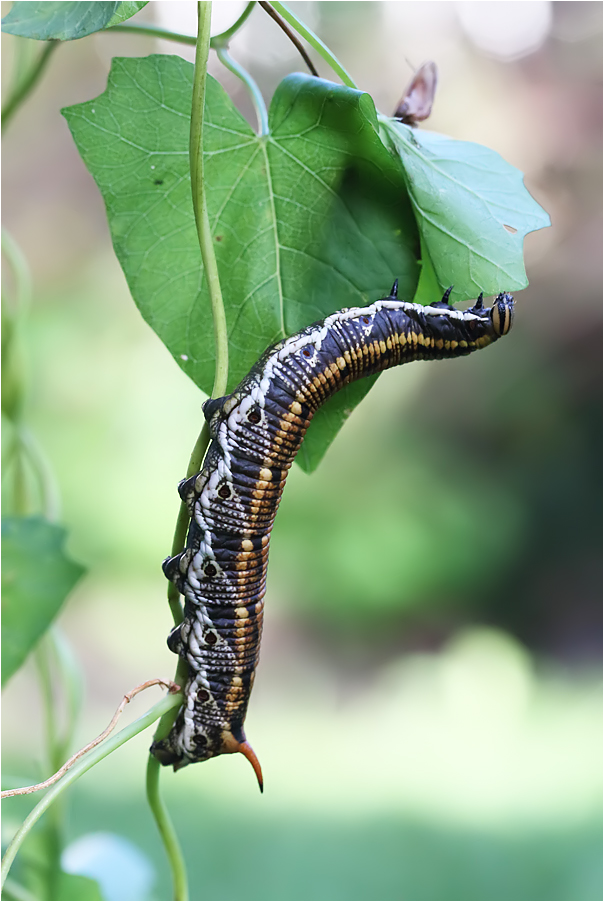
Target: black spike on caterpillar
[256,432]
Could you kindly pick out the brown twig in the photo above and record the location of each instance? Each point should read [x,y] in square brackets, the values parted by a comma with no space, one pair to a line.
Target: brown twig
[283,25]
[25,790]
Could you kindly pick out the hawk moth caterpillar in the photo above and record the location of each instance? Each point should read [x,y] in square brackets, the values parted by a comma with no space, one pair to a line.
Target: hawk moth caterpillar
[256,432]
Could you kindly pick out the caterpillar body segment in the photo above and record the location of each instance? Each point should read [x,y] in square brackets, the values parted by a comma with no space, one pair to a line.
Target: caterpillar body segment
[256,433]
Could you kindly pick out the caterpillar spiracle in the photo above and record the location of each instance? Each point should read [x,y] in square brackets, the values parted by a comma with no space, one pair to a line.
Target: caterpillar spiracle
[256,432]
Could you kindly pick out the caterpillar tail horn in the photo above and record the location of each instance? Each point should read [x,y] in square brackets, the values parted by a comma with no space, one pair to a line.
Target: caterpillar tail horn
[248,752]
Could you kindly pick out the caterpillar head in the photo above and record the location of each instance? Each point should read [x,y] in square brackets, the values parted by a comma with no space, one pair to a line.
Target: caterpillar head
[502,314]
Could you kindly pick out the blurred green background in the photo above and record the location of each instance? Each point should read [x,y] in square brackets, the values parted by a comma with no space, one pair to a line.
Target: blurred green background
[427,708]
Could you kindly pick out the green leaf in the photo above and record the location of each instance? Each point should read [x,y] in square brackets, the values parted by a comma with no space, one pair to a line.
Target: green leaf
[74,886]
[125,10]
[310,219]
[472,210]
[65,21]
[37,576]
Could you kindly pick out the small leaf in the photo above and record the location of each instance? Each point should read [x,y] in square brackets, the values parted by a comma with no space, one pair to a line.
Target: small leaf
[37,576]
[64,21]
[307,220]
[472,210]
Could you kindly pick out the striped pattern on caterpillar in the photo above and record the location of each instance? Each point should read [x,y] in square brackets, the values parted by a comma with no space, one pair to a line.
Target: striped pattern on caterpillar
[256,432]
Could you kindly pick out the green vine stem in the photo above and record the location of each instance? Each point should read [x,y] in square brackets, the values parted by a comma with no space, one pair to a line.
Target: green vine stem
[222,39]
[15,305]
[49,490]
[79,768]
[20,270]
[219,43]
[167,832]
[229,63]
[182,521]
[16,891]
[315,42]
[70,675]
[26,84]
[292,37]
[54,827]
[154,31]
[202,222]
[200,206]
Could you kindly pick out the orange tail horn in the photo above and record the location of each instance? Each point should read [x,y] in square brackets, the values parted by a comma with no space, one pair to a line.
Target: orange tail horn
[246,750]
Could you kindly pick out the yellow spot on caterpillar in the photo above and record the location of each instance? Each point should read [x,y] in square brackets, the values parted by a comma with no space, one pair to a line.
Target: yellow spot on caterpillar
[413,337]
[447,345]
[237,681]
[242,613]
[247,545]
[453,344]
[389,343]
[265,540]
[295,408]
[463,344]
[341,363]
[439,344]
[265,474]
[383,347]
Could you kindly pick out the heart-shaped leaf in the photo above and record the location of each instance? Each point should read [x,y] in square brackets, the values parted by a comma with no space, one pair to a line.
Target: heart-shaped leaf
[37,576]
[306,220]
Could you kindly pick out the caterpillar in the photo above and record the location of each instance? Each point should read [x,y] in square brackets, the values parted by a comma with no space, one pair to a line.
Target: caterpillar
[256,432]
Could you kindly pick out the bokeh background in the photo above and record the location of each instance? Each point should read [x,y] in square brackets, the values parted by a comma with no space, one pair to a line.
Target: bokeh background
[427,708]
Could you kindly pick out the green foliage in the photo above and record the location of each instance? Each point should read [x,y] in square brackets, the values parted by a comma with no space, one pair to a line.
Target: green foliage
[298,232]
[38,872]
[311,218]
[65,21]
[77,887]
[472,209]
[407,513]
[37,576]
